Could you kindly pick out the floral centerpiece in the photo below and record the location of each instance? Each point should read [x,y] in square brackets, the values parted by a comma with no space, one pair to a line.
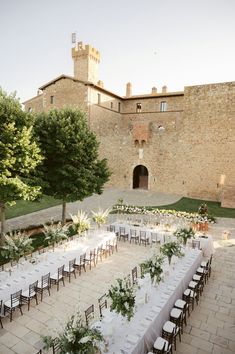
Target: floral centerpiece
[203,209]
[81,222]
[77,338]
[184,234]
[100,216]
[17,244]
[153,266]
[123,298]
[55,233]
[170,249]
[132,209]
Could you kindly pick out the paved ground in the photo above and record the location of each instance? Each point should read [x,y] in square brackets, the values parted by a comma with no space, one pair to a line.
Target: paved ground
[103,201]
[211,327]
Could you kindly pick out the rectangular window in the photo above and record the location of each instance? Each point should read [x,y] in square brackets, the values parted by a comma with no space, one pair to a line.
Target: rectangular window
[52,99]
[30,109]
[111,105]
[99,98]
[163,106]
[119,106]
[138,107]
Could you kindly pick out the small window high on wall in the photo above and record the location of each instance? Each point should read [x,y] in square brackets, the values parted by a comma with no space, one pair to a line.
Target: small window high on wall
[52,99]
[163,106]
[99,98]
[138,107]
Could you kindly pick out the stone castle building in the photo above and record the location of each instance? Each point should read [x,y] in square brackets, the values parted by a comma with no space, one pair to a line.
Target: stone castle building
[173,142]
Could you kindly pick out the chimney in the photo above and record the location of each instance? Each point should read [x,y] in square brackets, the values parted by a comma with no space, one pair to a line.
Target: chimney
[164,89]
[100,83]
[128,89]
[154,90]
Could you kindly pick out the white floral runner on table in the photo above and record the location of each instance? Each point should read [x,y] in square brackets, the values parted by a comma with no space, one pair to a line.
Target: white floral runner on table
[138,335]
[26,273]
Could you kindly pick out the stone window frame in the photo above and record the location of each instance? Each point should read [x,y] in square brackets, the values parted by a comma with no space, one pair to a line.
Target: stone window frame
[138,107]
[163,106]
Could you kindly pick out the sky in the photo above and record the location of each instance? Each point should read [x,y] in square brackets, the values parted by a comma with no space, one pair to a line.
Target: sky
[149,43]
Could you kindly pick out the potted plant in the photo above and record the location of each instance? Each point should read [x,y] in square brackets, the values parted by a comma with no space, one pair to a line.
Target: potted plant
[170,249]
[122,298]
[81,222]
[76,338]
[17,244]
[184,234]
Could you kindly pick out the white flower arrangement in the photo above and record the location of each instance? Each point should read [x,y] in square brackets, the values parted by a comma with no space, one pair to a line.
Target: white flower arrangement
[191,217]
[17,244]
[122,296]
[153,266]
[170,249]
[54,233]
[76,337]
[81,222]
[184,234]
[100,216]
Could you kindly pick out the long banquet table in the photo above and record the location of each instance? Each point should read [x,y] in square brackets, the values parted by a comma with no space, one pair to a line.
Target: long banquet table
[138,335]
[206,241]
[26,273]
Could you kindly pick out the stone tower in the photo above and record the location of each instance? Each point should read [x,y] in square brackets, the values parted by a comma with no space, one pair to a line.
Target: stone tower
[86,62]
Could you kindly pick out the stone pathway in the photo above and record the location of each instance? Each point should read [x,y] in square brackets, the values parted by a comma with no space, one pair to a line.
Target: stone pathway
[23,334]
[106,200]
[211,326]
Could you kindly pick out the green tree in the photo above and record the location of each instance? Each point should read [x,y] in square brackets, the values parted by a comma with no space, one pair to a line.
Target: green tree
[71,167]
[19,155]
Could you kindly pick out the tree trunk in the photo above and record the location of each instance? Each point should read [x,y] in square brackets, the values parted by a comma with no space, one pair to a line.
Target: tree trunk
[63,212]
[3,223]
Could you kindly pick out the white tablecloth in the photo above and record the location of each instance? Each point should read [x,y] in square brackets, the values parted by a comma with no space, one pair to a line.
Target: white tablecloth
[162,235]
[206,243]
[138,335]
[27,273]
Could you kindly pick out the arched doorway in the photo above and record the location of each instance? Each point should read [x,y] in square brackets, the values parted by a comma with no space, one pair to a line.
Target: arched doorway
[140,177]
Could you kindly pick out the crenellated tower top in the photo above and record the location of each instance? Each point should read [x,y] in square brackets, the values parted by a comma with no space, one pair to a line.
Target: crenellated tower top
[86,62]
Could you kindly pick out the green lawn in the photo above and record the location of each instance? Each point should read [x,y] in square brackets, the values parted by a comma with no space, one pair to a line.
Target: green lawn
[191,205]
[184,204]
[24,207]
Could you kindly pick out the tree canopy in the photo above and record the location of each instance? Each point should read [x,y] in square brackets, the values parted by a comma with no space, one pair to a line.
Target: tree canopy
[71,168]
[19,155]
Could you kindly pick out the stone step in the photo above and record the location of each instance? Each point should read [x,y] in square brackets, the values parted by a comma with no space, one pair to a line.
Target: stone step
[228,197]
